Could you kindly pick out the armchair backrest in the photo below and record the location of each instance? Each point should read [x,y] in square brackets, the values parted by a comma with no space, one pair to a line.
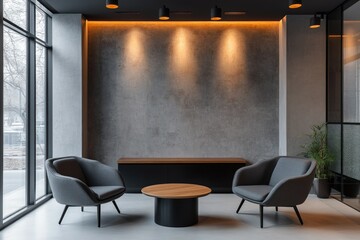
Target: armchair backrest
[69,167]
[288,167]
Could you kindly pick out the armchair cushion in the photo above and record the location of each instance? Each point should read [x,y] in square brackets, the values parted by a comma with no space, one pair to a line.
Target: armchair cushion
[287,167]
[104,192]
[253,192]
[69,167]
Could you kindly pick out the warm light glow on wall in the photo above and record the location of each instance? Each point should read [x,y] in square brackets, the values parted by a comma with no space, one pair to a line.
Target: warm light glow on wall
[231,57]
[182,54]
[171,24]
[134,57]
[183,63]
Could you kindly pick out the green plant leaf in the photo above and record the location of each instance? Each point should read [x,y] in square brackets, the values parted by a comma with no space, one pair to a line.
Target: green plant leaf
[318,150]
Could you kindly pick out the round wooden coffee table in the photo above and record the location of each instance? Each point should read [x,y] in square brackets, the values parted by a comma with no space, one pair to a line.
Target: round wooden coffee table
[176,204]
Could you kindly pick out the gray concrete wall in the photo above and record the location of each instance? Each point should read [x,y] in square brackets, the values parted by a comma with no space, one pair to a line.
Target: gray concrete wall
[67,84]
[183,90]
[305,81]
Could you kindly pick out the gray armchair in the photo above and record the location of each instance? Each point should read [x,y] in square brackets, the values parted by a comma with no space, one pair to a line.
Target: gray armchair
[76,181]
[281,181]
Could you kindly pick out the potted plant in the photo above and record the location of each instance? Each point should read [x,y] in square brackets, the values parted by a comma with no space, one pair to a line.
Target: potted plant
[318,150]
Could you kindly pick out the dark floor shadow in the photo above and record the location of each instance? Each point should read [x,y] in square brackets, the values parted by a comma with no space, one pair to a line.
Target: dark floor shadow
[253,219]
[218,221]
[270,219]
[123,220]
[113,217]
[289,219]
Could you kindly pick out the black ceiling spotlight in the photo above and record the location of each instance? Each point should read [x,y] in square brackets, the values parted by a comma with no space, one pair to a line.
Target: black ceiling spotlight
[295,3]
[315,21]
[164,13]
[215,13]
[112,4]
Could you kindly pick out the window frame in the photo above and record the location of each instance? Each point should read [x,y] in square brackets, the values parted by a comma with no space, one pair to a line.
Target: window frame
[30,33]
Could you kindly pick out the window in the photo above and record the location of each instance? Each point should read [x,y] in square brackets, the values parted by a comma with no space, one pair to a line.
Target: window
[16,12]
[26,57]
[40,119]
[40,26]
[14,121]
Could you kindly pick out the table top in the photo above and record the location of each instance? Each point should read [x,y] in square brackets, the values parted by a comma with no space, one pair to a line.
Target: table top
[179,160]
[176,190]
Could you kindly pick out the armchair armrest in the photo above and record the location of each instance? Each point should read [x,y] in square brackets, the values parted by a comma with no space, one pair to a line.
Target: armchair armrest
[98,174]
[256,174]
[292,191]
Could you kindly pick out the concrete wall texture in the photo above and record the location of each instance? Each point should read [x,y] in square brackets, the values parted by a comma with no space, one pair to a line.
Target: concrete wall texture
[67,84]
[305,80]
[183,89]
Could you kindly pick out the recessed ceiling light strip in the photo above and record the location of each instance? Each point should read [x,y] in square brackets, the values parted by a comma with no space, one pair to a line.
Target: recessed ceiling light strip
[234,13]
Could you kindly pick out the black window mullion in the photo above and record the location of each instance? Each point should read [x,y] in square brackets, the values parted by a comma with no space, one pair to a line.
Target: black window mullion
[48,87]
[24,32]
[46,8]
[342,103]
[31,104]
[48,34]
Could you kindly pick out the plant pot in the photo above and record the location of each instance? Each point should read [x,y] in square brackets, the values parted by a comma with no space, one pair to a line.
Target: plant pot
[322,187]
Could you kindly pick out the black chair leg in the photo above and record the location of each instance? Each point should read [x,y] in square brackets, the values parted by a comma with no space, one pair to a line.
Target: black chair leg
[98,214]
[63,214]
[116,206]
[242,202]
[82,208]
[261,215]
[298,215]
[276,208]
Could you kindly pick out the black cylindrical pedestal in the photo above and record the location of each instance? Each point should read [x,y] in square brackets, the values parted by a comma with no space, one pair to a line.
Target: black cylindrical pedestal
[176,212]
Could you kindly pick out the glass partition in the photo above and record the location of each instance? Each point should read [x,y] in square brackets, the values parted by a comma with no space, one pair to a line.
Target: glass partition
[351,105]
[334,143]
[351,64]
[343,100]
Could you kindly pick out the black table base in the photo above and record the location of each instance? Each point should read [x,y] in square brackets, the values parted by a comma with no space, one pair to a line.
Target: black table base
[176,212]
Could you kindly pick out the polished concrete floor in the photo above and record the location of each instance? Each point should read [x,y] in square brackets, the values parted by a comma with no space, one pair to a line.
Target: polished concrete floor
[323,219]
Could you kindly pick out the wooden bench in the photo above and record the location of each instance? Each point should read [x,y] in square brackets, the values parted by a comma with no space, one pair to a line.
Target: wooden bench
[216,173]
